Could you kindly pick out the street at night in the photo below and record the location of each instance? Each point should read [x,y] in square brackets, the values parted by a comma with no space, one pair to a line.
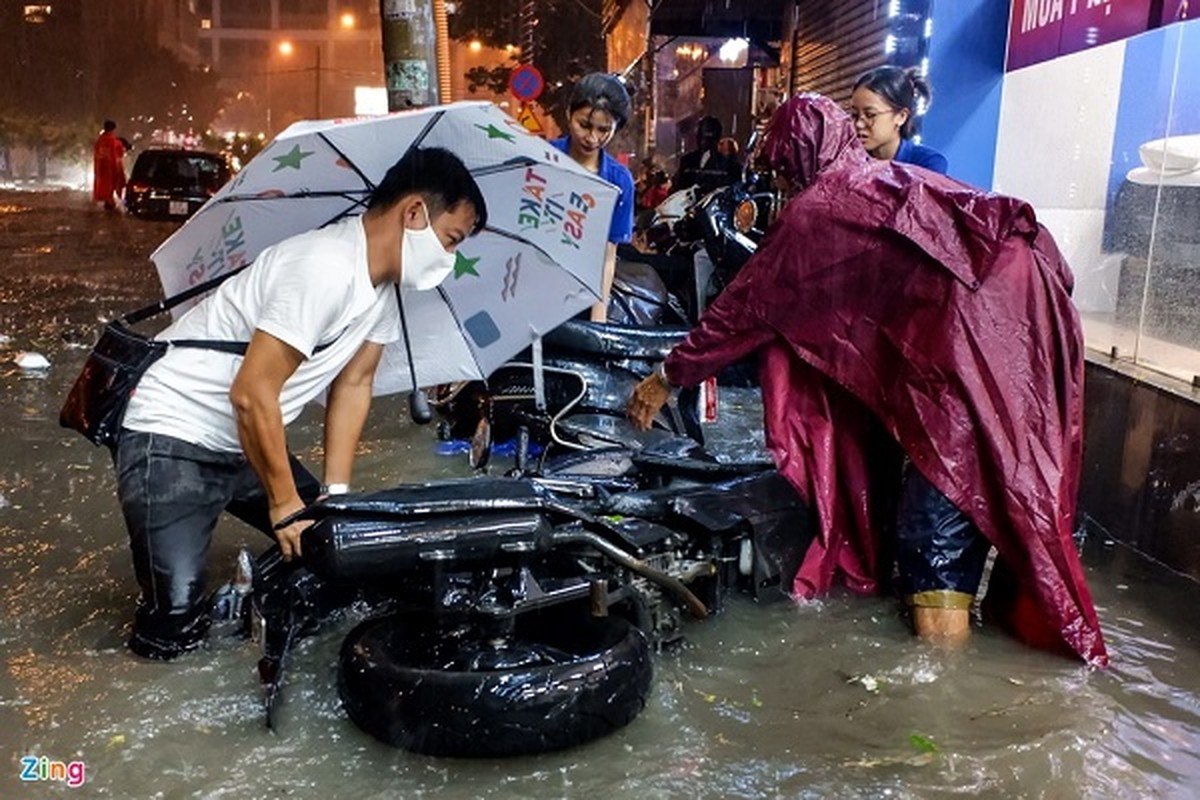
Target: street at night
[683,399]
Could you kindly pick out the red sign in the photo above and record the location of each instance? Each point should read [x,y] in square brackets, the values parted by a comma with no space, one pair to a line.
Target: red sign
[526,82]
[1177,11]
[1043,29]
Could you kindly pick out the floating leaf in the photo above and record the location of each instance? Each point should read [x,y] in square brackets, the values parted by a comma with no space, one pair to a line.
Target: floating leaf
[755,700]
[923,743]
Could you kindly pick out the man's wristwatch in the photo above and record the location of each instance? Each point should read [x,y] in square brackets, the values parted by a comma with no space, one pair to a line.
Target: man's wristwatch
[334,488]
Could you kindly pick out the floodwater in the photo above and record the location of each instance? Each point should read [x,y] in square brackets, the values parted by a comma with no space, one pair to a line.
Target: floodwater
[833,699]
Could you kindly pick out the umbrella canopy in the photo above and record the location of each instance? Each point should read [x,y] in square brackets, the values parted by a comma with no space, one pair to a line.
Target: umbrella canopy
[538,262]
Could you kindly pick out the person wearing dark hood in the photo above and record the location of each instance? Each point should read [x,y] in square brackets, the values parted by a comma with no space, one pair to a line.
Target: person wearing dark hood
[884,107]
[896,312]
[706,167]
[597,108]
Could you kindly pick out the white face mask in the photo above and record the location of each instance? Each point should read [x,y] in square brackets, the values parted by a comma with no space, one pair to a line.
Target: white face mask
[424,263]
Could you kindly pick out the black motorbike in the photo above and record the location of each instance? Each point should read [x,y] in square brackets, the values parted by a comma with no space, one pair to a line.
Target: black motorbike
[520,615]
[697,243]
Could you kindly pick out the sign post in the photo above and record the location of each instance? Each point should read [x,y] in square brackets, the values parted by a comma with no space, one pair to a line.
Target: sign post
[526,84]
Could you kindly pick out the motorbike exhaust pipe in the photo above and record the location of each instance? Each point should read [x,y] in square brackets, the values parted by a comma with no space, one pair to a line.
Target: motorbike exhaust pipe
[672,585]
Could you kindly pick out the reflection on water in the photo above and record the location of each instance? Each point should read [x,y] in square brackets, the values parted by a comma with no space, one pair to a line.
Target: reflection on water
[825,699]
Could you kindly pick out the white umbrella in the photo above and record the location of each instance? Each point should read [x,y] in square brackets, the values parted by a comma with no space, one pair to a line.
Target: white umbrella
[538,263]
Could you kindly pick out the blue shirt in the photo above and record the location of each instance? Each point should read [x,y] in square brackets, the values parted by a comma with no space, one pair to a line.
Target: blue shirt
[616,173]
[921,156]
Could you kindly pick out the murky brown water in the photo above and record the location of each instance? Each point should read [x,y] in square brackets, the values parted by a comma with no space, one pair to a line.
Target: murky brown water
[764,701]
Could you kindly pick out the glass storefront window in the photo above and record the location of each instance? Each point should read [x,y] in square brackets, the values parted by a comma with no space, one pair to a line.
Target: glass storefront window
[1106,145]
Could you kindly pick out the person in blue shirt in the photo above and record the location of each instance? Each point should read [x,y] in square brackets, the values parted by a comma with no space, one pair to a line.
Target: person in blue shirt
[884,107]
[596,110]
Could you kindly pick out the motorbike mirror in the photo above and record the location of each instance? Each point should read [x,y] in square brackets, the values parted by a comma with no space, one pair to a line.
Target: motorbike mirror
[481,445]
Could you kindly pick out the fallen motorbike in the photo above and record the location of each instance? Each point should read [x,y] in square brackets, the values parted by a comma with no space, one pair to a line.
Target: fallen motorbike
[517,616]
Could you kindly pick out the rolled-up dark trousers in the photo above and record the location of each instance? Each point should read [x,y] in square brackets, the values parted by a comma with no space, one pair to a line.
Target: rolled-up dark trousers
[939,551]
[172,493]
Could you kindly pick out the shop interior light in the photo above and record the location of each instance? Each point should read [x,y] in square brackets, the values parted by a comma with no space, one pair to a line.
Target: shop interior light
[733,49]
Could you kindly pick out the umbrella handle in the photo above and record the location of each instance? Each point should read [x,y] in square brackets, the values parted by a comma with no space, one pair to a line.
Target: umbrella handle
[418,403]
[418,407]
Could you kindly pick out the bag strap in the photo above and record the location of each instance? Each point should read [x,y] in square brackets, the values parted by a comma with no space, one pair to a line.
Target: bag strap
[134,317]
[237,348]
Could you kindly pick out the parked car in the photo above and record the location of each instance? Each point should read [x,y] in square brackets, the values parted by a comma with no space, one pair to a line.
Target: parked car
[172,183]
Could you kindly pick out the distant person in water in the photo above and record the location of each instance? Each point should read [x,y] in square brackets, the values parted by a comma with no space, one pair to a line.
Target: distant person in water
[884,107]
[108,167]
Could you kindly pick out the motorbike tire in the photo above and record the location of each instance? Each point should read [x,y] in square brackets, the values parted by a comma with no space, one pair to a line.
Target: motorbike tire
[394,688]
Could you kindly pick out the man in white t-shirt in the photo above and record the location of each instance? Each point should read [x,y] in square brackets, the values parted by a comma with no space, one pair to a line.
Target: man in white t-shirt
[204,432]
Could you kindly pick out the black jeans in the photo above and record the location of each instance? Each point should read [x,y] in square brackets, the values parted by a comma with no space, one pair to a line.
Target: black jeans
[172,493]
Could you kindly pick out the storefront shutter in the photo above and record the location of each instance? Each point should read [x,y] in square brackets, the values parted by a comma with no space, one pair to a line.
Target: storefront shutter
[835,41]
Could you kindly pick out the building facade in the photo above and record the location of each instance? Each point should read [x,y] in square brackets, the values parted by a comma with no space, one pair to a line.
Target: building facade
[284,61]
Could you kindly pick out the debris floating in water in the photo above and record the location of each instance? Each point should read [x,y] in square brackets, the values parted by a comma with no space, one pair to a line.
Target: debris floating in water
[32,361]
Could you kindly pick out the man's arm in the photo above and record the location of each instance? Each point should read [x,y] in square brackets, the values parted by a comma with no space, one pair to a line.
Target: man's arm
[269,362]
[346,411]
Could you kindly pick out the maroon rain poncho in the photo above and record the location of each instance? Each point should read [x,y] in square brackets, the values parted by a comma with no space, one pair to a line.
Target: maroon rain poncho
[892,305]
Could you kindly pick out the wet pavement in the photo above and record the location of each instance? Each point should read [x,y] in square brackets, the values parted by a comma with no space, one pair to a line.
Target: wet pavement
[831,699]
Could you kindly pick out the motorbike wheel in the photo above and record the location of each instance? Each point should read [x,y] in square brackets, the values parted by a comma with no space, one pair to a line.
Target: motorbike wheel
[552,684]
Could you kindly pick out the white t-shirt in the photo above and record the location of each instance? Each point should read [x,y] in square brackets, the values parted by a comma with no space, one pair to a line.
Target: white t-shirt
[307,291]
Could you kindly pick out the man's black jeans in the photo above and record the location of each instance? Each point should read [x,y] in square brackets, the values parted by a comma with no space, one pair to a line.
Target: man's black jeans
[172,494]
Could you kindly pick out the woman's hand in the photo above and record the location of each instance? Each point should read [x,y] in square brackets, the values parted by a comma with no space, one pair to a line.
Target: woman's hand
[647,398]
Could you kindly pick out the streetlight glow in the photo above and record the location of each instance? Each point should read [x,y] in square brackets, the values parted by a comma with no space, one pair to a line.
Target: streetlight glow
[348,20]
[286,48]
[475,45]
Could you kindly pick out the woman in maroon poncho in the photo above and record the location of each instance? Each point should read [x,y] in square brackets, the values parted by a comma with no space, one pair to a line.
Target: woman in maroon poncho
[890,306]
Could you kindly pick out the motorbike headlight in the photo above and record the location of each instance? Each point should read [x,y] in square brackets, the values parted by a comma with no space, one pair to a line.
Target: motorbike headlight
[744,216]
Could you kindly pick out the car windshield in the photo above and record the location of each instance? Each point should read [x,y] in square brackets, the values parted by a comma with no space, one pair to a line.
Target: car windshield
[179,169]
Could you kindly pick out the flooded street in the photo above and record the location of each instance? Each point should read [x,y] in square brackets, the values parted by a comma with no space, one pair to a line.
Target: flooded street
[833,699]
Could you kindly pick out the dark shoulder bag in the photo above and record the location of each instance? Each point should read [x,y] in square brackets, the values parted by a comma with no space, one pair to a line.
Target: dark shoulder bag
[95,406]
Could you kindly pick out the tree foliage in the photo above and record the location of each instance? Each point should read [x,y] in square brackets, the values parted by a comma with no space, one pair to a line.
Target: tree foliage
[568,42]
[63,77]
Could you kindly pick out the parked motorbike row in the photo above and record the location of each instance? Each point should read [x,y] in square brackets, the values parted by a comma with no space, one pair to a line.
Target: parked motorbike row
[519,614]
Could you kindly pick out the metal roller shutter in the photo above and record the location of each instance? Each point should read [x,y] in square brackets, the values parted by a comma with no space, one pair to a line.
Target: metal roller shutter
[835,41]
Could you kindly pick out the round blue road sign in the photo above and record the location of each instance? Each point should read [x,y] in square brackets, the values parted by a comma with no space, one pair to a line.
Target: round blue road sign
[526,82]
